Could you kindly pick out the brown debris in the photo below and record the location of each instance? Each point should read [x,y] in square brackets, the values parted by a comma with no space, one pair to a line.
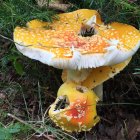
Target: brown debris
[57,5]
[2,96]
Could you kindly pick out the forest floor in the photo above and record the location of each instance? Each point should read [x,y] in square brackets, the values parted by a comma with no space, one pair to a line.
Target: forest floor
[28,87]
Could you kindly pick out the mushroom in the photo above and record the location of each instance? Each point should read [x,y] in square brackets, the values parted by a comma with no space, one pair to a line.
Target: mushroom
[78,42]
[58,44]
[75,108]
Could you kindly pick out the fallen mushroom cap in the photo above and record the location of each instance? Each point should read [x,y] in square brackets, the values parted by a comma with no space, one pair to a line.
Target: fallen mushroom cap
[60,45]
[74,108]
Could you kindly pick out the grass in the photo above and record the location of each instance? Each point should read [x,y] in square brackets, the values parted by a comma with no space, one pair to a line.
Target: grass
[114,10]
[18,12]
[34,122]
[27,87]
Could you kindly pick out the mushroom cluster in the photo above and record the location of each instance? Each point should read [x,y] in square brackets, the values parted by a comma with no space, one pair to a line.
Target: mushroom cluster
[89,53]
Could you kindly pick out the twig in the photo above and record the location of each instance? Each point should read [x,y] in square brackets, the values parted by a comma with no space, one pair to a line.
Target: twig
[46,112]
[40,101]
[62,7]
[58,5]
[104,119]
[36,130]
[6,38]
[12,40]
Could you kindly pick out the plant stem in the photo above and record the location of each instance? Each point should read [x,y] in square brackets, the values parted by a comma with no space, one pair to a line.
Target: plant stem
[36,130]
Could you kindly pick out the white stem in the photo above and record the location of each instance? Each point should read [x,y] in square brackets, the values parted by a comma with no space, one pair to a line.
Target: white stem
[99,91]
[78,75]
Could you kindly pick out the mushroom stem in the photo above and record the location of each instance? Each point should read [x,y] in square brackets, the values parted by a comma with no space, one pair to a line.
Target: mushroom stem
[99,91]
[77,75]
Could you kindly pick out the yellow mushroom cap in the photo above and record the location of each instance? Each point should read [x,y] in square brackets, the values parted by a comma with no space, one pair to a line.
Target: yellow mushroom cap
[58,44]
[128,37]
[79,113]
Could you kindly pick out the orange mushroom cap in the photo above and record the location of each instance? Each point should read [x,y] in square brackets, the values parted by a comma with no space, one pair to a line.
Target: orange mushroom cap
[77,109]
[59,44]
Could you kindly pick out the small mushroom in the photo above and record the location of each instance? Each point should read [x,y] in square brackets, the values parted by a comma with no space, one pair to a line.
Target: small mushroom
[75,108]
